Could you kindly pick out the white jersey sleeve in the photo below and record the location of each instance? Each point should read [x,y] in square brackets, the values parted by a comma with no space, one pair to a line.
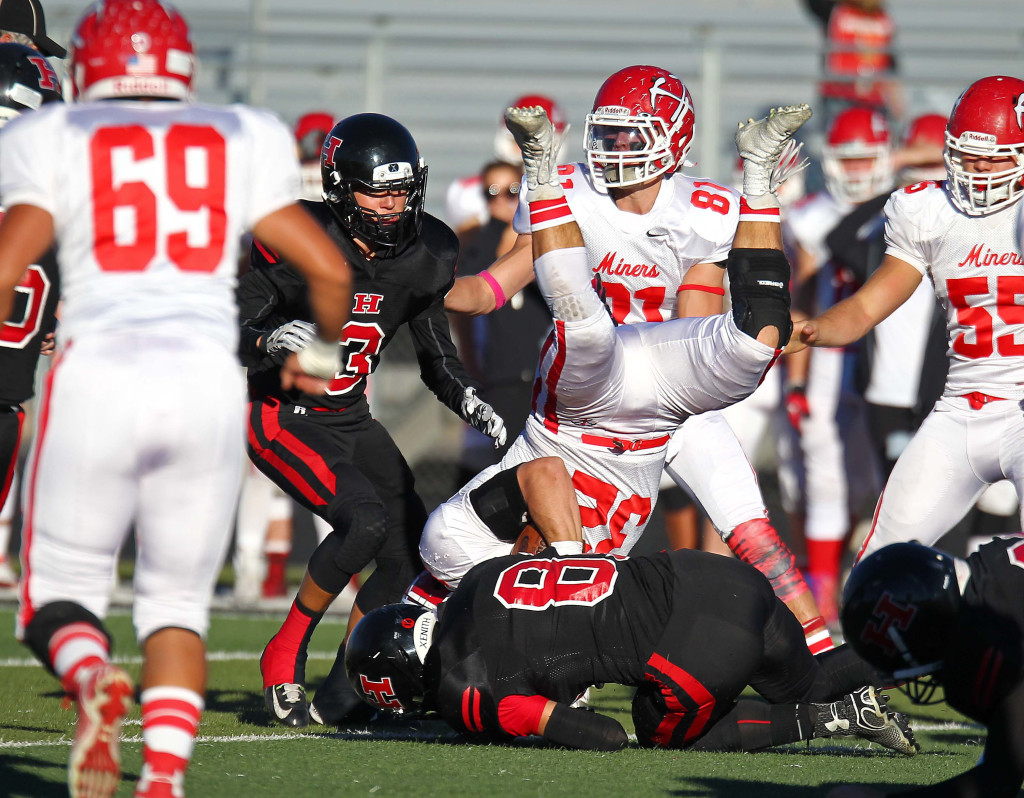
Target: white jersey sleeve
[907,226]
[272,143]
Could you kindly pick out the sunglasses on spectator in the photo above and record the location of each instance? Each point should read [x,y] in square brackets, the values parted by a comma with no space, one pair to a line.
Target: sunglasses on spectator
[494,190]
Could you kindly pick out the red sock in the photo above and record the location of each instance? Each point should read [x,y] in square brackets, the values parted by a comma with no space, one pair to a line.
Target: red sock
[284,658]
[73,648]
[274,584]
[170,722]
[824,558]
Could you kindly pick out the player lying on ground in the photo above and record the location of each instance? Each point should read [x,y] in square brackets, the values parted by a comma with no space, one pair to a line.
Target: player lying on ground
[915,611]
[659,239]
[522,637]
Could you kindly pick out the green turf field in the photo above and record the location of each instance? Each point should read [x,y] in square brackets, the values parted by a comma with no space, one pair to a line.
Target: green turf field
[239,756]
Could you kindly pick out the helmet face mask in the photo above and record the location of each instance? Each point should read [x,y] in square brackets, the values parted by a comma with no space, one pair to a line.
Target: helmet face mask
[384,657]
[899,605]
[986,122]
[373,154]
[641,127]
[857,157]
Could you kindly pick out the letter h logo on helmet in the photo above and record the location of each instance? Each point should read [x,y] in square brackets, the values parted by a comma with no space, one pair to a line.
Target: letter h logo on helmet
[381,693]
[331,144]
[889,615]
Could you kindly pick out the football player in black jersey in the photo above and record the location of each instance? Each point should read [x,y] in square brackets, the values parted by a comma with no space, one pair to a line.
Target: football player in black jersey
[522,637]
[916,612]
[26,81]
[327,451]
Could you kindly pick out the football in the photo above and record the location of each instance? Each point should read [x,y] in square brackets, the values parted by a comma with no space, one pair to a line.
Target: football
[529,542]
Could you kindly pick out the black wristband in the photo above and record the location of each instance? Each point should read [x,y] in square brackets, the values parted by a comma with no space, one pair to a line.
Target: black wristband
[579,728]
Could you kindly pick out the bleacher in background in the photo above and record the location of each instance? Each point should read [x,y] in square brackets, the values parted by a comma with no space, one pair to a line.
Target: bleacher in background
[447,67]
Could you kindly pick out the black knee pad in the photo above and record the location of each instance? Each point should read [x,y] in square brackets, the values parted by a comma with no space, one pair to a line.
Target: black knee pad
[360,530]
[53,617]
[500,504]
[759,285]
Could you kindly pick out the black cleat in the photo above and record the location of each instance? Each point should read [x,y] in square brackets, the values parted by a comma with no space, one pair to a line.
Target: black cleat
[865,713]
[286,704]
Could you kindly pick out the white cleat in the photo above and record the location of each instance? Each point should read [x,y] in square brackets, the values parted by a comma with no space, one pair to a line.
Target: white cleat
[765,145]
[104,697]
[535,135]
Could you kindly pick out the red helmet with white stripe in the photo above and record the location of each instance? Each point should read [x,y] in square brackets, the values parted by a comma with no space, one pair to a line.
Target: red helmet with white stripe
[857,157]
[641,126]
[132,48]
[986,122]
[505,147]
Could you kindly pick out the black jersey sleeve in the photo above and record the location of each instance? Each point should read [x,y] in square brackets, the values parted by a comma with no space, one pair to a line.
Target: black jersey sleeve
[269,294]
[440,367]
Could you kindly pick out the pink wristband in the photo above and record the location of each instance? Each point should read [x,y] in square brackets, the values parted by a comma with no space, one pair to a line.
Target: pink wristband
[499,295]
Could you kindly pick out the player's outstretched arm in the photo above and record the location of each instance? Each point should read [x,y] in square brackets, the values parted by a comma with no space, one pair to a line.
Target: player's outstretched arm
[26,232]
[476,294]
[855,316]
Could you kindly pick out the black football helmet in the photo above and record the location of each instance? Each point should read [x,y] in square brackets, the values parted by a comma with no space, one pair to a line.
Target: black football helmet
[384,657]
[373,152]
[26,81]
[898,608]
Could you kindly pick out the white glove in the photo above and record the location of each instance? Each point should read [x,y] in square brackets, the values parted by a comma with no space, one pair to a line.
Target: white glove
[481,416]
[293,336]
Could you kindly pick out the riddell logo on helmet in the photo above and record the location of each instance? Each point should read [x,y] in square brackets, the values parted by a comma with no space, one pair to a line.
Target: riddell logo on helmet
[971,137]
[612,110]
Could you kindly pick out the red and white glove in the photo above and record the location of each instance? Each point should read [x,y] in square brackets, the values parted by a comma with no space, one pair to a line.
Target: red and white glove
[797,407]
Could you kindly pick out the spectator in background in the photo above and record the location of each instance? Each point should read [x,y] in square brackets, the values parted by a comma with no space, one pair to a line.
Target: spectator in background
[859,62]
[465,207]
[499,349]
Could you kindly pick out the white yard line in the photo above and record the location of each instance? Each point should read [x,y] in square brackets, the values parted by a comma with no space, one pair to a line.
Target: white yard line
[360,734]
[211,656]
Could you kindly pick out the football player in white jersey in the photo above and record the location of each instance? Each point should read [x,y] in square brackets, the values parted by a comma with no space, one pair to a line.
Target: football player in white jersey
[657,238]
[146,195]
[608,397]
[964,236]
[824,407]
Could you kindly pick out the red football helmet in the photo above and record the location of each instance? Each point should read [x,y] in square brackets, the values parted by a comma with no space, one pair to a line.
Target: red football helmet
[930,130]
[987,121]
[132,48]
[641,126]
[310,131]
[505,147]
[857,157]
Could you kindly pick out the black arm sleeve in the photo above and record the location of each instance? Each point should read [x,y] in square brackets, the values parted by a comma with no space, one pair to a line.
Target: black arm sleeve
[1001,770]
[579,728]
[440,367]
[822,9]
